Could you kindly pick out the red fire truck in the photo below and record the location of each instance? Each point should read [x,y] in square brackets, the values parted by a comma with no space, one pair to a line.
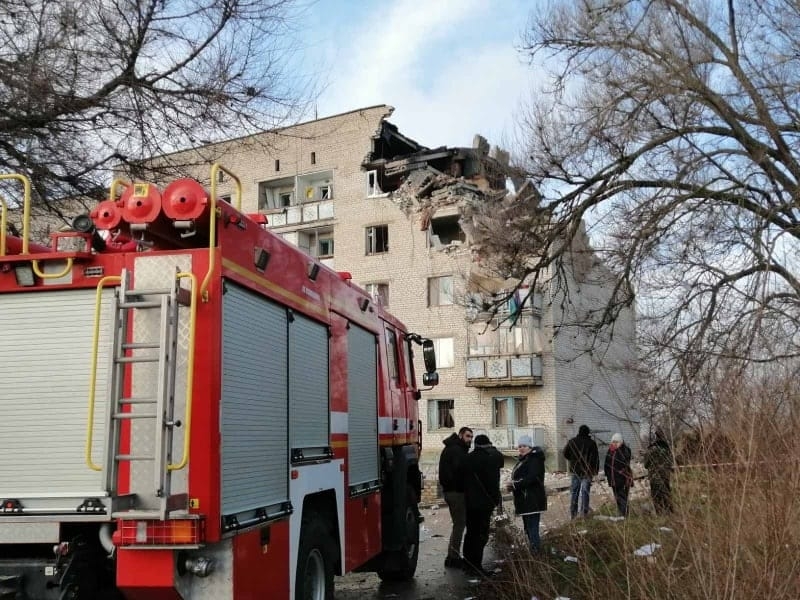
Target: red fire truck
[194,408]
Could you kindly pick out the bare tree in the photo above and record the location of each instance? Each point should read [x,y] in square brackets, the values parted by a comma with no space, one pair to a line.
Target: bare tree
[91,85]
[671,129]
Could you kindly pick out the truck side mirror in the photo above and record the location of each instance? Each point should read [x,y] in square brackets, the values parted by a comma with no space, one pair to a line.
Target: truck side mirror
[429,356]
[430,379]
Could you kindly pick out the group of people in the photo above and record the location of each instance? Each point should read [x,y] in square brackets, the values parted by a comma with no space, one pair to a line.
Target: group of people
[470,481]
[584,459]
[469,474]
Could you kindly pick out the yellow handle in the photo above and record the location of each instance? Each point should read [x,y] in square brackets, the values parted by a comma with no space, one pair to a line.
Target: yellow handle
[189,373]
[93,374]
[26,212]
[212,231]
[3,221]
[112,193]
[43,275]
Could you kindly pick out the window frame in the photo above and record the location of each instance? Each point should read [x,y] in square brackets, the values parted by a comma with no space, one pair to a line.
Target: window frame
[371,239]
[448,295]
[436,402]
[392,357]
[516,410]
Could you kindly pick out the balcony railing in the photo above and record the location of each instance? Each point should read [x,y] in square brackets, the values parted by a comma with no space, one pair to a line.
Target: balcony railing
[505,437]
[496,371]
[297,214]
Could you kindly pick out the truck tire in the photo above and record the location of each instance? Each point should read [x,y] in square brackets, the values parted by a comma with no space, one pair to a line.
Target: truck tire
[315,558]
[402,564]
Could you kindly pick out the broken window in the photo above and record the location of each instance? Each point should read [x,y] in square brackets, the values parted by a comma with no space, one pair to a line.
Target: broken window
[510,411]
[373,187]
[315,187]
[440,291]
[440,414]
[445,231]
[275,194]
[377,239]
[285,199]
[379,293]
[502,337]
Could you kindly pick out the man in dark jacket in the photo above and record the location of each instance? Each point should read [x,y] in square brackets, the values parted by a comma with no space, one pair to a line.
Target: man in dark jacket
[618,472]
[527,484]
[452,463]
[482,491]
[658,462]
[584,464]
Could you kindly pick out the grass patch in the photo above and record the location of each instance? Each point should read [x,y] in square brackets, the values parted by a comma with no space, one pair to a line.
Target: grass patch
[735,533]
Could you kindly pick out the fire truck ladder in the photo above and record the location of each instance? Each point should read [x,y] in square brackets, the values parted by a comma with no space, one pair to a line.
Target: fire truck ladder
[154,400]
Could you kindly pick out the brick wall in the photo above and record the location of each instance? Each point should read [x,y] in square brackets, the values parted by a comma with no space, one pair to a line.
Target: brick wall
[339,144]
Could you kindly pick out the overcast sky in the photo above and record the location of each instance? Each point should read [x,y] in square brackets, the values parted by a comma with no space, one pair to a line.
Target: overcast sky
[450,68]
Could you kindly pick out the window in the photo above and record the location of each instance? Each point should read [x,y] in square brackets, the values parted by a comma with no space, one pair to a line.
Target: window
[377,239]
[440,414]
[226,198]
[440,291]
[315,187]
[445,231]
[277,164]
[373,188]
[220,176]
[379,293]
[313,158]
[285,199]
[510,411]
[408,359]
[391,354]
[276,193]
[444,352]
[325,247]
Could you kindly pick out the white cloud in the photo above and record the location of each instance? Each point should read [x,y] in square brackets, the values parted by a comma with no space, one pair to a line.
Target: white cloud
[441,64]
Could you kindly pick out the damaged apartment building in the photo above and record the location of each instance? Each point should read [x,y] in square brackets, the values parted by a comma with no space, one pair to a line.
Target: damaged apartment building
[514,361]
[360,196]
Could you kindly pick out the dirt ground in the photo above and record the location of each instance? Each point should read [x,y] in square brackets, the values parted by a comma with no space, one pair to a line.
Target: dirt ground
[433,581]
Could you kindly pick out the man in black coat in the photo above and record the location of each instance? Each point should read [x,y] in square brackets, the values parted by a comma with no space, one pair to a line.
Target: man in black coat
[452,463]
[482,490]
[584,464]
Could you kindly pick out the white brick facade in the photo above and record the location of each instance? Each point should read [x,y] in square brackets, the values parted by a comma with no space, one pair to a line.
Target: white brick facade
[574,389]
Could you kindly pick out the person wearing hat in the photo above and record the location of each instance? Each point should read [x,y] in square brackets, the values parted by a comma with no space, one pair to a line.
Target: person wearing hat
[584,464]
[482,492]
[618,472]
[527,484]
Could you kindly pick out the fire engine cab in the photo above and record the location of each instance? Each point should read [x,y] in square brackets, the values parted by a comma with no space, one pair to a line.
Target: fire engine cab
[192,408]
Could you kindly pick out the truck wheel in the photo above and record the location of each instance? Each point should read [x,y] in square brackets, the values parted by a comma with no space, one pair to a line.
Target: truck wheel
[315,557]
[402,564]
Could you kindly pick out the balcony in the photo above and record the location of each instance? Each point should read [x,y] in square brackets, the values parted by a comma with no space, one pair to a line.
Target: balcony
[300,214]
[297,200]
[501,371]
